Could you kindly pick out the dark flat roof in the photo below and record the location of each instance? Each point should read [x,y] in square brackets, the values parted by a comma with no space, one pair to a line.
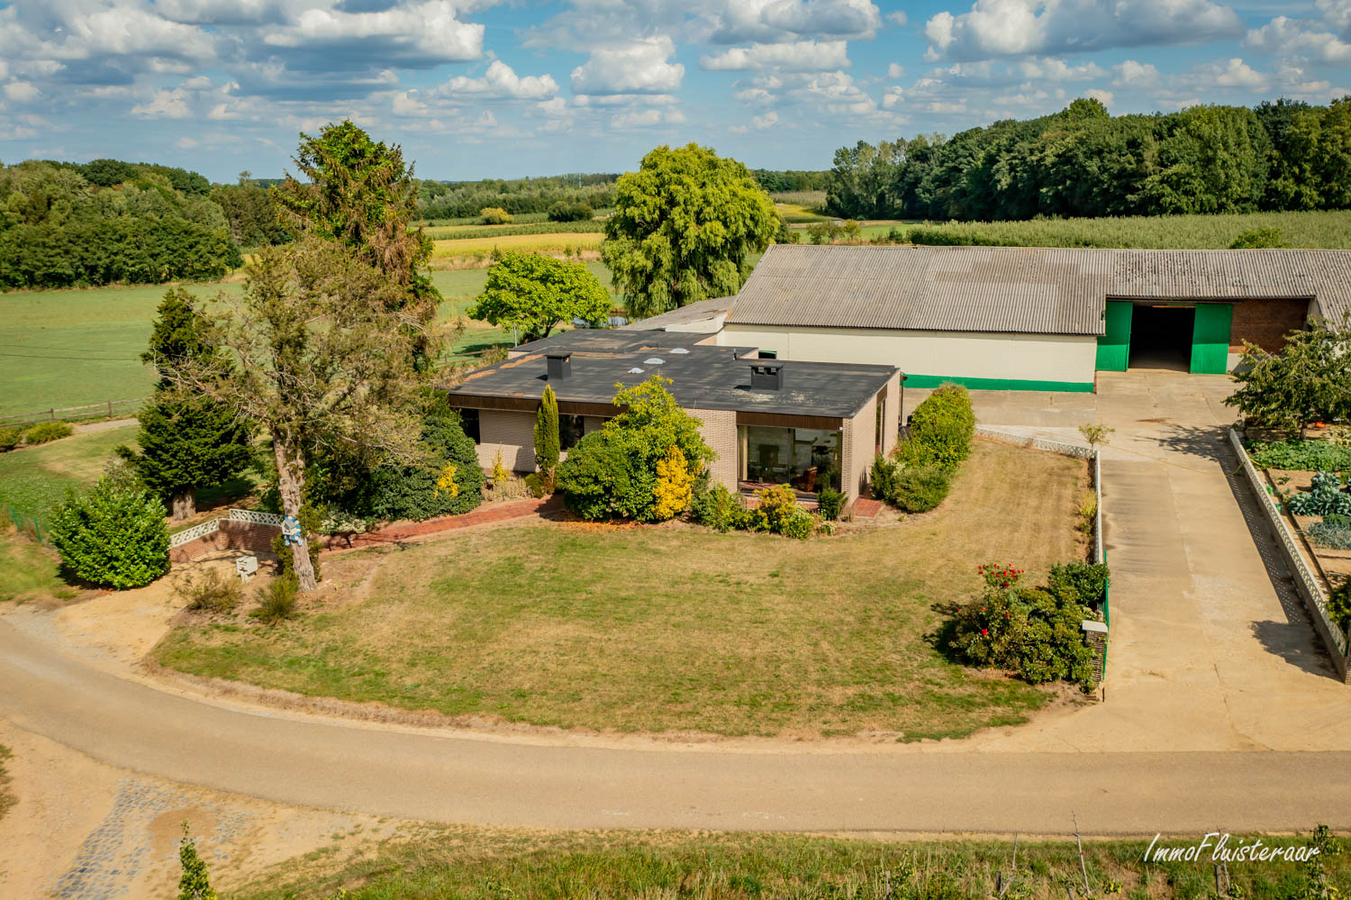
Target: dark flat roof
[704,377]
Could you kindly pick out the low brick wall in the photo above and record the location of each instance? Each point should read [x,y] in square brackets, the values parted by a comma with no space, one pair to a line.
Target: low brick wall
[229,535]
[487,513]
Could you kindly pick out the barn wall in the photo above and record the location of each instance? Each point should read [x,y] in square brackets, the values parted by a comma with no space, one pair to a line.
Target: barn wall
[983,361]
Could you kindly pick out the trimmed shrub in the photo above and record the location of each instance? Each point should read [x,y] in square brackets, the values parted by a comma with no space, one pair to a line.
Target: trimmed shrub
[613,472]
[547,443]
[1033,632]
[450,484]
[829,503]
[941,429]
[114,535]
[44,432]
[1084,583]
[799,525]
[1325,497]
[277,599]
[882,481]
[494,215]
[675,486]
[570,211]
[776,505]
[10,437]
[717,508]
[209,590]
[921,488]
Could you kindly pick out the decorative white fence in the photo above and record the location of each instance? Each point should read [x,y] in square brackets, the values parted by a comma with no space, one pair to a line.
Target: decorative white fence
[1309,586]
[249,516]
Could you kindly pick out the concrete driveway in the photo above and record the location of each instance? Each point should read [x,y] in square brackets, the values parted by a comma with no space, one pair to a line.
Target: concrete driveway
[1210,647]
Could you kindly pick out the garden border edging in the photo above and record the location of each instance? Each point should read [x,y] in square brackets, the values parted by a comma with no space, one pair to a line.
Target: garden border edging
[1310,591]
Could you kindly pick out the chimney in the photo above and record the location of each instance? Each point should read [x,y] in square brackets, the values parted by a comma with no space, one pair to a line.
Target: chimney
[560,365]
[766,376]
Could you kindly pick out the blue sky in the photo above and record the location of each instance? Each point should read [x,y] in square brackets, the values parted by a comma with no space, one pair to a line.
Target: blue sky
[479,88]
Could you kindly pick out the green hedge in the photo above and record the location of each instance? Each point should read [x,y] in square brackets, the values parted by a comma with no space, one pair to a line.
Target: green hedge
[941,429]
[114,535]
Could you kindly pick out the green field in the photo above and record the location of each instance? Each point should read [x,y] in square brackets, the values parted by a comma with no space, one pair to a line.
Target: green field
[1321,230]
[78,347]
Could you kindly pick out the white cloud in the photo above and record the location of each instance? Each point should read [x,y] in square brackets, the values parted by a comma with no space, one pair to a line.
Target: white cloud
[1232,73]
[767,120]
[637,68]
[646,118]
[892,98]
[799,56]
[895,70]
[898,17]
[1103,97]
[501,82]
[995,28]
[417,34]
[1051,69]
[186,143]
[21,91]
[736,21]
[1135,74]
[1284,36]
[164,105]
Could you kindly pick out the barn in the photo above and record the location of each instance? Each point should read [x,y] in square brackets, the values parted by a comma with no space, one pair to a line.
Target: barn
[1023,318]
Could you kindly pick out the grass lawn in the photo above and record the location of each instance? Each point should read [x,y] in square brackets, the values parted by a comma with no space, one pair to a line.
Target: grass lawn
[74,347]
[34,479]
[677,628]
[526,243]
[494,864]
[28,570]
[6,798]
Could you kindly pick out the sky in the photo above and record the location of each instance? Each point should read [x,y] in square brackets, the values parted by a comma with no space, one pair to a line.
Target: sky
[481,88]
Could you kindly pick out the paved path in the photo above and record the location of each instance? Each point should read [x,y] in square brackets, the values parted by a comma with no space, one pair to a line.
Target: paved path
[1210,648]
[466,779]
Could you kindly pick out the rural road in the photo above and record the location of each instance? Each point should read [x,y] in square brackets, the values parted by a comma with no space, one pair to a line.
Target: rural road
[493,782]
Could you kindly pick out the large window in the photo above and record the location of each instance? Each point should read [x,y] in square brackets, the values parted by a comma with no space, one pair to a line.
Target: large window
[570,430]
[806,458]
[469,422]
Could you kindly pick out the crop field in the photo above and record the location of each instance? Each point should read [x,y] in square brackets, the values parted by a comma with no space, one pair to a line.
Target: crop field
[528,243]
[1324,230]
[458,232]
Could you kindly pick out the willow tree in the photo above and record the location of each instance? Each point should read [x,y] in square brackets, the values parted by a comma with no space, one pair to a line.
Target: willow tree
[317,352]
[683,227]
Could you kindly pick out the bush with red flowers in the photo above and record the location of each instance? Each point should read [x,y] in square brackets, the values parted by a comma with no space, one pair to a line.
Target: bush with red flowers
[1033,632]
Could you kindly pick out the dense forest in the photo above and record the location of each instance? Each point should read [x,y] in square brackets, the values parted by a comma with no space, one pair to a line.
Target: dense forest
[107,221]
[1286,155]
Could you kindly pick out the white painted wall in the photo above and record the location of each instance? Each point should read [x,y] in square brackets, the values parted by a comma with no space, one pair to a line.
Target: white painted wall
[1029,357]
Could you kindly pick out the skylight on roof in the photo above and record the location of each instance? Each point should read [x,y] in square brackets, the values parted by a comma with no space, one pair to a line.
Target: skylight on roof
[653,361]
[635,371]
[679,350]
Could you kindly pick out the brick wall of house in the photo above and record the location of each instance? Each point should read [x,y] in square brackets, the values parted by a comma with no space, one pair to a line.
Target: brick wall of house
[231,536]
[891,436]
[719,431]
[858,447]
[513,433]
[1266,323]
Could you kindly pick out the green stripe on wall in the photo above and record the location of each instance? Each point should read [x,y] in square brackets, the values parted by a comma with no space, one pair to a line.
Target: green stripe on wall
[997,384]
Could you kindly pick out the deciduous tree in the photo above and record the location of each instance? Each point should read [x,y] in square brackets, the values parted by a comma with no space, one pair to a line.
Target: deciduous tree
[321,359]
[1308,381]
[682,229]
[535,293]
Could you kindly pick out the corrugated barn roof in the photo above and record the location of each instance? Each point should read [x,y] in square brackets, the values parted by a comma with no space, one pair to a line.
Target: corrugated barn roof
[1027,290]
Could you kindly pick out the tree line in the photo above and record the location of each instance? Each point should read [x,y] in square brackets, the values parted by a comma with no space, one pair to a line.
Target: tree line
[1081,161]
[108,221]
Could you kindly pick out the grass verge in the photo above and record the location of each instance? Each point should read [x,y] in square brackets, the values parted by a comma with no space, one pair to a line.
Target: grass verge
[29,571]
[33,480]
[492,864]
[594,627]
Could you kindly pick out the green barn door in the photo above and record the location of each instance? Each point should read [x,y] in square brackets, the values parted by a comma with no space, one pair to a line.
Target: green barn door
[1114,347]
[1210,339]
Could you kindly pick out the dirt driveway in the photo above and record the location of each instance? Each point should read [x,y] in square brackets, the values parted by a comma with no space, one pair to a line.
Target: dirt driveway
[1210,648]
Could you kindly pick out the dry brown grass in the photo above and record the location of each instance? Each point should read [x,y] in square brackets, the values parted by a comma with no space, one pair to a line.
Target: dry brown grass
[680,629]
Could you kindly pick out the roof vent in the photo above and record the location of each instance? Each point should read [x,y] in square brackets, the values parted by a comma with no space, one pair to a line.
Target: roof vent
[635,371]
[653,361]
[560,365]
[679,350]
[766,376]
